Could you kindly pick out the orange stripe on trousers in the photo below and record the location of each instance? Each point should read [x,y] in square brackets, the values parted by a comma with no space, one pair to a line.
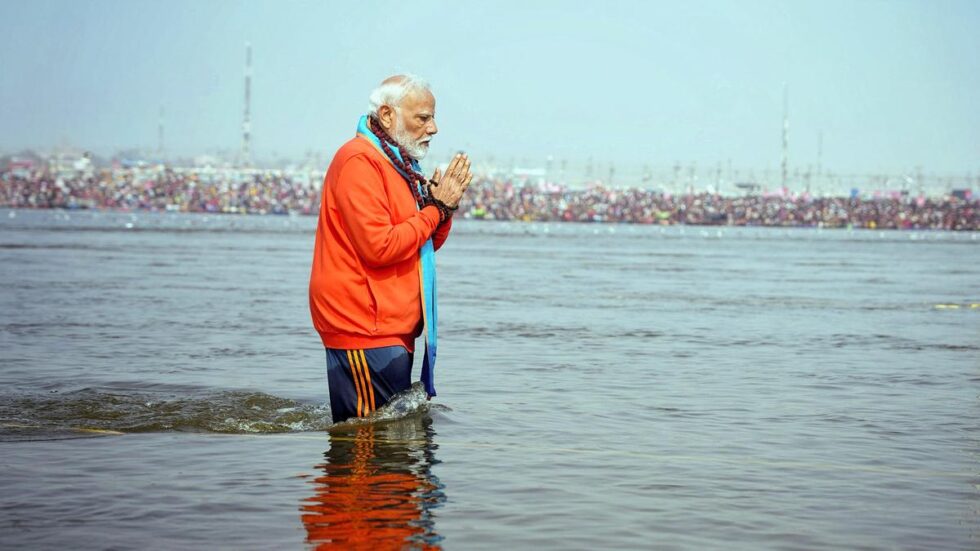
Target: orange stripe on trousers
[357,382]
[364,379]
[367,373]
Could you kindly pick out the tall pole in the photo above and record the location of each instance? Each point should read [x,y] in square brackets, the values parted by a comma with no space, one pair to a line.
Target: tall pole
[785,131]
[160,133]
[247,121]
[819,152]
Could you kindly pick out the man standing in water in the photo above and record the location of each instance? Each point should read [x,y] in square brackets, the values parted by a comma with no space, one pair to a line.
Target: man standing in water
[373,287]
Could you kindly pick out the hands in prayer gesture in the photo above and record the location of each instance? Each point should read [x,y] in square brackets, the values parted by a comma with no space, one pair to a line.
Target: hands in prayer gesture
[449,187]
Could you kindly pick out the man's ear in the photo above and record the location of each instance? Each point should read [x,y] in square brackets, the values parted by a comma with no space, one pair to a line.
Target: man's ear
[386,116]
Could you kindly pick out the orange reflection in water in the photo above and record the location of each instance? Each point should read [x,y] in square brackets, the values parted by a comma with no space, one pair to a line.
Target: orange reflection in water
[376,490]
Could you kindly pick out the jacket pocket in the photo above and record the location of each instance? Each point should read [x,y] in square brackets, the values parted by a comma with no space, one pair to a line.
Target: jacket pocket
[395,290]
[375,305]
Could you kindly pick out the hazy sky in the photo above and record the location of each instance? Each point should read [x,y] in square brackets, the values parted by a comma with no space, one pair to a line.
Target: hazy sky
[890,85]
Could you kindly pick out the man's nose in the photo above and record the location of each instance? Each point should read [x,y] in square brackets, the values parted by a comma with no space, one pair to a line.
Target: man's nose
[432,128]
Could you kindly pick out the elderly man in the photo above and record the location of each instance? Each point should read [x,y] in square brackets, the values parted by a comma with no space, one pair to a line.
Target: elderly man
[372,287]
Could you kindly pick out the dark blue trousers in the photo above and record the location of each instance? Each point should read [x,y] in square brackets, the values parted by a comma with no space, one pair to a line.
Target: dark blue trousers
[362,381]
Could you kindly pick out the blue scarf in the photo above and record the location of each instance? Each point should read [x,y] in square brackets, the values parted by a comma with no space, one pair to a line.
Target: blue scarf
[427,268]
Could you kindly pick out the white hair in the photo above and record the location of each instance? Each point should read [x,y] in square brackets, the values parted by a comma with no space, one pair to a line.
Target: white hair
[392,93]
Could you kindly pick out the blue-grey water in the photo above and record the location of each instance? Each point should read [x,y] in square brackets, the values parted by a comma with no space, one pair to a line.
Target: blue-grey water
[600,386]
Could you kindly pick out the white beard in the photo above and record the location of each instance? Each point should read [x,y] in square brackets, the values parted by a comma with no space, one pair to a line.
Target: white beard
[415,149]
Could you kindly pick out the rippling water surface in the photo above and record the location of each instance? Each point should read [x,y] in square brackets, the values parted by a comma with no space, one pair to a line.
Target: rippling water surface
[600,386]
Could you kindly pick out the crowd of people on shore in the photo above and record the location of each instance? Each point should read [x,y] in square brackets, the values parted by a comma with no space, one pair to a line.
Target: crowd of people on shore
[225,191]
[489,198]
[505,200]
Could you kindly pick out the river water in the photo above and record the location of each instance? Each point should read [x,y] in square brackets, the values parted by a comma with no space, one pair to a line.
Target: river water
[600,386]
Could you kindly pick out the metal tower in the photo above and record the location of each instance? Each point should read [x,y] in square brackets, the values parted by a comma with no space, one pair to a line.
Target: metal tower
[819,152]
[785,131]
[247,121]
[160,134]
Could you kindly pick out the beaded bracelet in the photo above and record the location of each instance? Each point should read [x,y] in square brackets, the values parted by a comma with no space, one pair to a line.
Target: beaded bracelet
[445,211]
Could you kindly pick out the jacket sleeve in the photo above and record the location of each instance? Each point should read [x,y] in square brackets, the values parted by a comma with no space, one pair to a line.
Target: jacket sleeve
[366,215]
[441,234]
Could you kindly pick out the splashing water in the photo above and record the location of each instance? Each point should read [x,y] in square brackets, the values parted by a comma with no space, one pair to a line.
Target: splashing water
[221,412]
[411,401]
[91,412]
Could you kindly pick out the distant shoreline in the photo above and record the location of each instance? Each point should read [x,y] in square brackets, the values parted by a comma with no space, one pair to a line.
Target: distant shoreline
[491,198]
[469,216]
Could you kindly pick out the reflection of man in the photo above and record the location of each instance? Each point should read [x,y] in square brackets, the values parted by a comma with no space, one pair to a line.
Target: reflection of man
[372,287]
[376,490]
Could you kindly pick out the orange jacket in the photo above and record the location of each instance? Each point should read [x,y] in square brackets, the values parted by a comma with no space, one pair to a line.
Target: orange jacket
[364,286]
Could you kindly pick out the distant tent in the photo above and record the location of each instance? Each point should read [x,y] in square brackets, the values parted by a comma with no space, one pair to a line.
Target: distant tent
[748,186]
